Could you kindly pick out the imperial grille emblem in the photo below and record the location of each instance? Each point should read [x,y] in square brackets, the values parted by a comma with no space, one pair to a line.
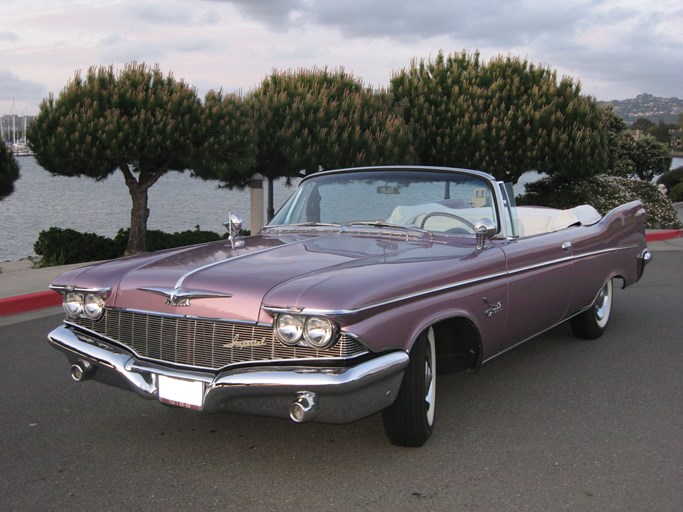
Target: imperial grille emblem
[237,343]
[181,298]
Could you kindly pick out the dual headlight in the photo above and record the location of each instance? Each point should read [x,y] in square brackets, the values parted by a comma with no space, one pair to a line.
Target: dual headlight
[314,331]
[87,305]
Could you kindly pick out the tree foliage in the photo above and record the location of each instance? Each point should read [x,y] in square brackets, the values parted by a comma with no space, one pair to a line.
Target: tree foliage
[619,145]
[227,148]
[137,121]
[662,132]
[311,119]
[628,159]
[676,193]
[650,158]
[643,158]
[643,124]
[506,116]
[9,171]
[671,178]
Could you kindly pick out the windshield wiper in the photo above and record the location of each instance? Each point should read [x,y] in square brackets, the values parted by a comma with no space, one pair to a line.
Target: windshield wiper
[383,224]
[314,224]
[302,225]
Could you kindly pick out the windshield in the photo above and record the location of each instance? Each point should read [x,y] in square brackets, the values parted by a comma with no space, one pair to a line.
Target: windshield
[435,201]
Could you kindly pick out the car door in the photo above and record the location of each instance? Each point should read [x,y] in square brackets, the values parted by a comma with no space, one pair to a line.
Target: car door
[539,275]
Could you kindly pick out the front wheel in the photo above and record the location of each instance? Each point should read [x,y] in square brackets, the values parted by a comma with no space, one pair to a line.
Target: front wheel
[591,324]
[409,421]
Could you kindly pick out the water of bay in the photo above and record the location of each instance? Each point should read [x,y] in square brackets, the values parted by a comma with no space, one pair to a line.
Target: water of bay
[177,202]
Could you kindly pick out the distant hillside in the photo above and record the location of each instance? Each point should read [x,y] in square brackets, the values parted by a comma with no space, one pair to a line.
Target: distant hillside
[648,106]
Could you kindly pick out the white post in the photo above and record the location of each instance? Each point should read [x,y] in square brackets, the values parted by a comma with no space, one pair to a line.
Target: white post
[256,203]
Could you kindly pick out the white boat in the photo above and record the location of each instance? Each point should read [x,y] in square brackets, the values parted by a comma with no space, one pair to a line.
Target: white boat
[21,149]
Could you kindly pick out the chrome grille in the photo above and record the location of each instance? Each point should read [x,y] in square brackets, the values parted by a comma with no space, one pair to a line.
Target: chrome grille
[204,343]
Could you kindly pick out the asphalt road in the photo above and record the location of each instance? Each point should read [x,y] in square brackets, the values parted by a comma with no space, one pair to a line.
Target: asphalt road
[558,424]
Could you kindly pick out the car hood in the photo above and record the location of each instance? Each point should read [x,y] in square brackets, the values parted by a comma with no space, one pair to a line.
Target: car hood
[317,271]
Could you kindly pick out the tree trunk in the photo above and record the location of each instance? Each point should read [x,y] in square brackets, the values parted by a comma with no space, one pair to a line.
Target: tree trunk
[139,213]
[271,206]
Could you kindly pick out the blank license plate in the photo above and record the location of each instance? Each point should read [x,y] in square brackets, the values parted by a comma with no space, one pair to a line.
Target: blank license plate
[181,393]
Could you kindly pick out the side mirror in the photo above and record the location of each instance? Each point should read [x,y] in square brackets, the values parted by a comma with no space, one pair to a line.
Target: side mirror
[484,228]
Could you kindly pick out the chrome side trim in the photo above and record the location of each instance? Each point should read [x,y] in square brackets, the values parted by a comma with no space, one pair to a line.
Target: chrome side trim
[408,296]
[78,289]
[459,284]
[604,251]
[549,263]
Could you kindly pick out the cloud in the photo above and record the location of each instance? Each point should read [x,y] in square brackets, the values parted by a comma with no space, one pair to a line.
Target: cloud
[174,14]
[616,48]
[14,88]
[8,36]
[488,21]
[607,42]
[278,15]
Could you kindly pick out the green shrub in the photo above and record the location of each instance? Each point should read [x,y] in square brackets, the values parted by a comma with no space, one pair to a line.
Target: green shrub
[676,193]
[159,240]
[604,193]
[58,246]
[671,179]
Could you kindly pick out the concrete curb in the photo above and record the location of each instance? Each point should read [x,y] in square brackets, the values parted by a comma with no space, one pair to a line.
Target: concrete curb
[48,298]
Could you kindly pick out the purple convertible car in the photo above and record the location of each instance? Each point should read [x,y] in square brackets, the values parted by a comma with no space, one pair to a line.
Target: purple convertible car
[366,285]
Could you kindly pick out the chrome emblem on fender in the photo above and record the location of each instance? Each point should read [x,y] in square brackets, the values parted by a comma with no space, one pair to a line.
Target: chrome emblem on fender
[492,308]
[181,298]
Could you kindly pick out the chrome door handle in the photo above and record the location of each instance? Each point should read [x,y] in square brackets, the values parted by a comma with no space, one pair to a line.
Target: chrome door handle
[566,246]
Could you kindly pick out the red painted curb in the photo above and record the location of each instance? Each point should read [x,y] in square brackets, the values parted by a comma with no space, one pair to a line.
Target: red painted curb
[664,234]
[29,302]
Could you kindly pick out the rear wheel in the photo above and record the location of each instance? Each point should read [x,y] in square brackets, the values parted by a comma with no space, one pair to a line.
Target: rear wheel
[409,421]
[591,324]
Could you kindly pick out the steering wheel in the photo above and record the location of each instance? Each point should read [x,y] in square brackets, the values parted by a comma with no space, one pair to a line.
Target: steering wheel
[466,222]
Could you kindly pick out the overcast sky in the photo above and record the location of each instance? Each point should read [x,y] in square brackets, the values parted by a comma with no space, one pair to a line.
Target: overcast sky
[615,48]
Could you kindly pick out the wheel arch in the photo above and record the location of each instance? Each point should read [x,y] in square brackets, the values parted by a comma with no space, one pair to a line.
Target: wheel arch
[458,344]
[618,277]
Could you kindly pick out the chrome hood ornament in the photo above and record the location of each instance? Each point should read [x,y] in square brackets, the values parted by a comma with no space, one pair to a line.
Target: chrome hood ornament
[181,298]
[233,225]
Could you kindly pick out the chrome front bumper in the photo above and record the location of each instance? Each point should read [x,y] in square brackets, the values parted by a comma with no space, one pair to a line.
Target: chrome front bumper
[325,394]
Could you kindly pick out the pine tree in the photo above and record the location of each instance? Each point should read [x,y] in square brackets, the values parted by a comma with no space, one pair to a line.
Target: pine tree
[506,117]
[136,121]
[312,119]
[9,171]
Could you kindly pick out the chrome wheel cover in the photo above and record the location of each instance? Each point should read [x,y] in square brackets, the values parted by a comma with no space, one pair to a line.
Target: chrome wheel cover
[430,377]
[603,304]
